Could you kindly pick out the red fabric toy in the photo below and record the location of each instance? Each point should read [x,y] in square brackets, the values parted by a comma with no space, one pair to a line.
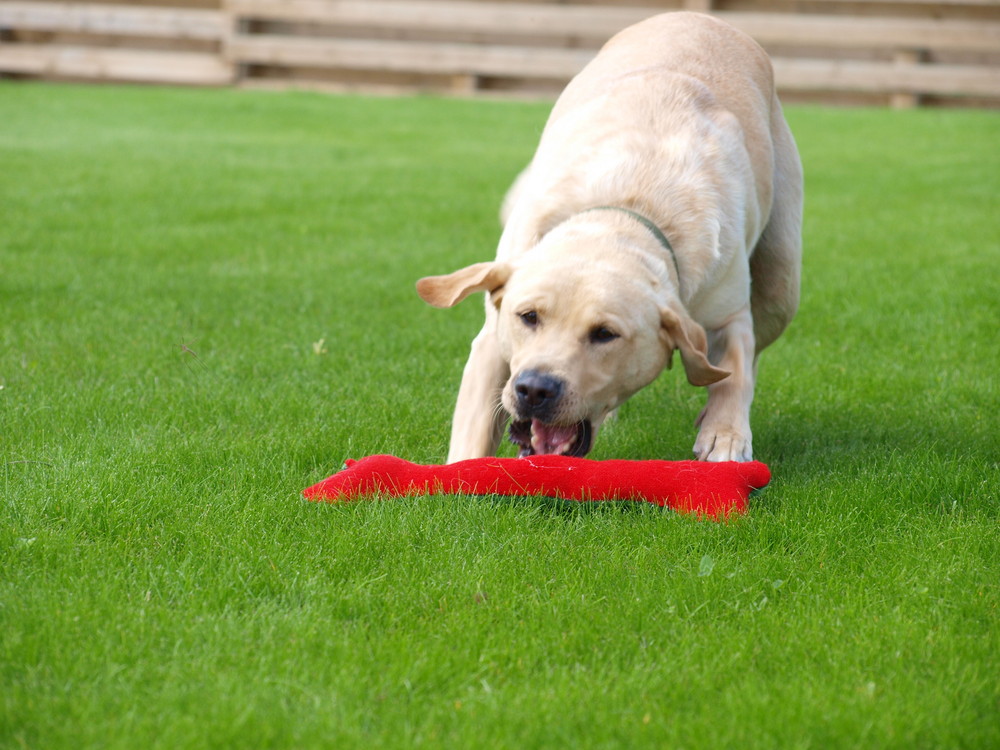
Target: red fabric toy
[713,490]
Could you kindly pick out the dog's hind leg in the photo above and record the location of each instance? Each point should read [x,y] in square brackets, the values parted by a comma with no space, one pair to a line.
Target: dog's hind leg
[775,269]
[775,266]
[479,419]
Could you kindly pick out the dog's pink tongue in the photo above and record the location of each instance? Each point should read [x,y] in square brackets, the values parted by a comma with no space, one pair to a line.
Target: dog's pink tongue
[547,438]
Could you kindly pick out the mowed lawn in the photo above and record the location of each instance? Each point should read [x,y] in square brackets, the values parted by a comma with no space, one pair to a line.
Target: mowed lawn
[206,305]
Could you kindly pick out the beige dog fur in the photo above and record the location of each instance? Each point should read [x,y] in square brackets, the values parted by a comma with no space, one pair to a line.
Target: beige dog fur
[677,120]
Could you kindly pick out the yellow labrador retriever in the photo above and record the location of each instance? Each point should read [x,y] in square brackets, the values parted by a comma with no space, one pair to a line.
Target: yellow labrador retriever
[662,211]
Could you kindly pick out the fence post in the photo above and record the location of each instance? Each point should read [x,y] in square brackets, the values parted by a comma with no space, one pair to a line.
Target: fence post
[906,58]
[464,84]
[234,25]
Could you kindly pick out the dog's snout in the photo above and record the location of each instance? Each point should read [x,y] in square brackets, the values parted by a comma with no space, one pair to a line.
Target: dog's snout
[537,392]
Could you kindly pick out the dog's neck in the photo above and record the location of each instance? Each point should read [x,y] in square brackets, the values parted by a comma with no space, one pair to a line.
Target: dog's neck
[650,225]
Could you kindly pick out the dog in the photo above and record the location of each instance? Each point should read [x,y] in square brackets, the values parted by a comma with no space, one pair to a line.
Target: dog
[661,212]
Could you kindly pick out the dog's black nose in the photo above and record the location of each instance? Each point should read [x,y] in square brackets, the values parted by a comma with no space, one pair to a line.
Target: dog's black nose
[537,393]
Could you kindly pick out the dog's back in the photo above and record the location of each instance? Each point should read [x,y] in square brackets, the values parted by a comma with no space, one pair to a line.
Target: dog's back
[727,61]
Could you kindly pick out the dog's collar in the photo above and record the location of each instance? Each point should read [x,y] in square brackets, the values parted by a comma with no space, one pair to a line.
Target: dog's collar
[653,229]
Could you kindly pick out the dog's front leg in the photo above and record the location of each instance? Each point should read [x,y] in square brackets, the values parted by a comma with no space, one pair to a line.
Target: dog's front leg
[725,422]
[479,418]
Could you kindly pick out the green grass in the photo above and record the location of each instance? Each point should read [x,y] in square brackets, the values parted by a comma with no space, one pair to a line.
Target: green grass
[206,304]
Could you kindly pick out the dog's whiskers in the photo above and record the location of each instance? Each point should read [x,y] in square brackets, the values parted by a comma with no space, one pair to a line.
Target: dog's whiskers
[498,412]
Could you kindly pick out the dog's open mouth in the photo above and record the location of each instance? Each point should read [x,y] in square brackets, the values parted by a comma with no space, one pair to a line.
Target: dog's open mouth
[537,438]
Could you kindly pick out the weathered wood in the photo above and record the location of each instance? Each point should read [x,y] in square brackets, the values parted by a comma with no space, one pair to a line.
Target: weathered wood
[847,32]
[198,69]
[462,46]
[598,23]
[457,59]
[165,23]
[929,3]
[886,78]
[421,57]
[906,99]
[587,21]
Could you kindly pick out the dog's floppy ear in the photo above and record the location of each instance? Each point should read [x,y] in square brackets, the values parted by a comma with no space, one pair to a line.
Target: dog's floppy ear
[683,333]
[449,290]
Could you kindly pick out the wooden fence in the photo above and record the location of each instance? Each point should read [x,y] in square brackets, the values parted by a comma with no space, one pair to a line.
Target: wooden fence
[902,52]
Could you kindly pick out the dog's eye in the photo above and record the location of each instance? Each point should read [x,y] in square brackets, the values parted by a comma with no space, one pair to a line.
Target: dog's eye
[602,335]
[529,318]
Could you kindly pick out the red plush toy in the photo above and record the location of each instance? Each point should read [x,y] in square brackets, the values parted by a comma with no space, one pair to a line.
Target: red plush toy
[708,489]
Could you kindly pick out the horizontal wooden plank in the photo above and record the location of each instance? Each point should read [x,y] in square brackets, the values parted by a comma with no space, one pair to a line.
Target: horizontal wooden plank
[596,24]
[165,23]
[846,32]
[115,64]
[885,78]
[455,59]
[917,3]
[419,57]
[593,22]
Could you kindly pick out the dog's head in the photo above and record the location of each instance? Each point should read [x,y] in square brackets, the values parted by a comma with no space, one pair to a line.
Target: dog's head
[584,323]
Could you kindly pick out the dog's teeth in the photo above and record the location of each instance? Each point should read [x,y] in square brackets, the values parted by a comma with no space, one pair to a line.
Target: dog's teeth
[537,440]
[549,440]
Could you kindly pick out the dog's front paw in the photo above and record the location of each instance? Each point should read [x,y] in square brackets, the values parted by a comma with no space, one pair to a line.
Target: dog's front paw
[723,445]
